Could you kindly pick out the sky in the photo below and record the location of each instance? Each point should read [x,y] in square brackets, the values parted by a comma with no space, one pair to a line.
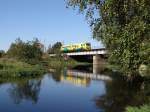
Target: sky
[48,20]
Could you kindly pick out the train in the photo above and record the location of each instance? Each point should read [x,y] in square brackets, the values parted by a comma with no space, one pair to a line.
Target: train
[76,47]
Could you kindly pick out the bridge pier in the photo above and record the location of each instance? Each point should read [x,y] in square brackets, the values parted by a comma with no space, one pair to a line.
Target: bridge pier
[98,64]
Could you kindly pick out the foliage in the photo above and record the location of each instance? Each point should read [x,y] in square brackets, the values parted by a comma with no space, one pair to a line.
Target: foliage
[2,53]
[13,68]
[26,51]
[124,28]
[23,88]
[58,62]
[144,108]
[55,49]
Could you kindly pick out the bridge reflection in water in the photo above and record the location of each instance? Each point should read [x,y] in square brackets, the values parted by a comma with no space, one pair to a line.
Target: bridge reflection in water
[81,78]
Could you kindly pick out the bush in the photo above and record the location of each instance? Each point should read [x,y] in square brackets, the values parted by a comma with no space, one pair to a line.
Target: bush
[29,52]
[2,53]
[144,108]
[13,68]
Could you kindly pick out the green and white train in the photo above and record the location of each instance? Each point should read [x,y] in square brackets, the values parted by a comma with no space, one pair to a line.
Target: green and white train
[76,47]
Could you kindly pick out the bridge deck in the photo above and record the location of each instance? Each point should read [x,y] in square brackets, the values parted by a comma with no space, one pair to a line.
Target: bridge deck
[101,51]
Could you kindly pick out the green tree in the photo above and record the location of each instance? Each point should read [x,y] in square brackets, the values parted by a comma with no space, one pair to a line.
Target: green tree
[124,28]
[2,53]
[144,108]
[55,48]
[29,51]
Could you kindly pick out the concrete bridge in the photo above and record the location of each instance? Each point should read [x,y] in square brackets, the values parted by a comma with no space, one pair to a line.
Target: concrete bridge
[101,51]
[96,56]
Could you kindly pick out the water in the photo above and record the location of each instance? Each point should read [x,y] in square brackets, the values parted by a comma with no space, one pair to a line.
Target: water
[71,91]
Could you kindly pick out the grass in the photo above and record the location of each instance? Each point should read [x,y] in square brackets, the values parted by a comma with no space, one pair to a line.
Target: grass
[14,68]
[57,62]
[19,79]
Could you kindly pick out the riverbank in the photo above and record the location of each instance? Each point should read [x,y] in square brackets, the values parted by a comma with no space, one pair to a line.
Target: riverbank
[14,68]
[10,68]
[57,62]
[144,70]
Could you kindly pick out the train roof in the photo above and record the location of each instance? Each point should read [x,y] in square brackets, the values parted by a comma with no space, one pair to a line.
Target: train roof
[75,44]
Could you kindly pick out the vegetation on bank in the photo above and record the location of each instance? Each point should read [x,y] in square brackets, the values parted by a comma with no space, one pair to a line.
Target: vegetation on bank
[143,71]
[29,59]
[30,52]
[144,108]
[14,68]
[2,53]
[22,59]
[19,79]
[58,62]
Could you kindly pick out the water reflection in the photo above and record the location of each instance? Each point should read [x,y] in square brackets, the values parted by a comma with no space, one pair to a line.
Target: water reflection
[20,90]
[75,80]
[56,74]
[27,90]
[120,94]
[78,77]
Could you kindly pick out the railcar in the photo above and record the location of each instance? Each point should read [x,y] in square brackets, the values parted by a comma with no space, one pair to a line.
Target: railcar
[76,47]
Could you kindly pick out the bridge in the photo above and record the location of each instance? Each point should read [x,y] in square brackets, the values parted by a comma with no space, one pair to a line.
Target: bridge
[101,51]
[96,56]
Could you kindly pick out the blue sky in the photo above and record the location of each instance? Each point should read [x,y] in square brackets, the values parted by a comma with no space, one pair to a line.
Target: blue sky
[49,20]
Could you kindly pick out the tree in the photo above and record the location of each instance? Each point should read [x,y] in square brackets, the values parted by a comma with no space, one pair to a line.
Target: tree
[2,53]
[29,51]
[49,50]
[124,28]
[55,49]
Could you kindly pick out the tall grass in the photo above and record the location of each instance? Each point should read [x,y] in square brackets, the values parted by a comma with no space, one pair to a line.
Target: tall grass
[57,62]
[14,68]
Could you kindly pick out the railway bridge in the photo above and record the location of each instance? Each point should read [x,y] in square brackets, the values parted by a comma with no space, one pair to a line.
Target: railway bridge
[95,56]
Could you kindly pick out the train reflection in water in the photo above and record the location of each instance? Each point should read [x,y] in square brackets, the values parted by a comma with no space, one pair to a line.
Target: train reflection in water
[80,78]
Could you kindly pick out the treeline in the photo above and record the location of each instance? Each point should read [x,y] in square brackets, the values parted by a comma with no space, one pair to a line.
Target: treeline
[22,59]
[2,53]
[55,48]
[29,52]
[33,53]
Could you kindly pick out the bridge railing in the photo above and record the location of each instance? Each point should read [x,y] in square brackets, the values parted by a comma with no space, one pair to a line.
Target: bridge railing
[90,52]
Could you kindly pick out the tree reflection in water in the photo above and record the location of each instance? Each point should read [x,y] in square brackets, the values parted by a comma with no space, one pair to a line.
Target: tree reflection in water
[120,94]
[26,90]
[57,74]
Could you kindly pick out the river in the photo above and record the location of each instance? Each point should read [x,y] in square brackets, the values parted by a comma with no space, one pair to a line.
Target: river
[71,90]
